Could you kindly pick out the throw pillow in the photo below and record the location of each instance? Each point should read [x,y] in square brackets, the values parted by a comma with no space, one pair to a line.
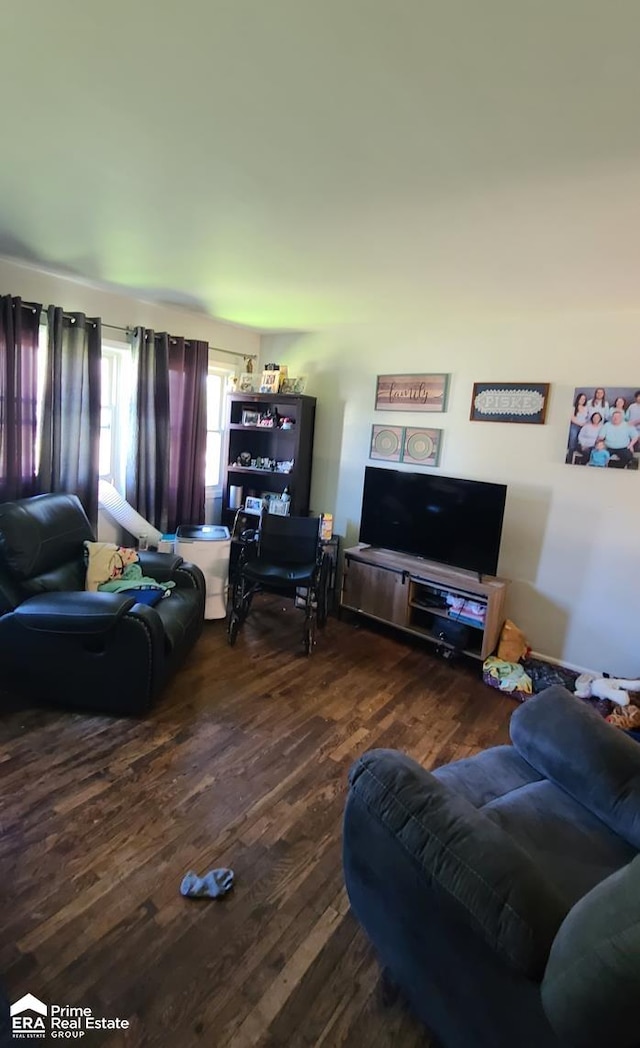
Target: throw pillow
[106,562]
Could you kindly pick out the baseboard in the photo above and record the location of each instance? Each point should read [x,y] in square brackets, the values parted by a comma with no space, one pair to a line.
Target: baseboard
[565,665]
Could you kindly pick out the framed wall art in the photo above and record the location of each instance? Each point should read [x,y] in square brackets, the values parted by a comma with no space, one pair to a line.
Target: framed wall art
[604,427]
[421,447]
[386,443]
[411,392]
[509,402]
[416,446]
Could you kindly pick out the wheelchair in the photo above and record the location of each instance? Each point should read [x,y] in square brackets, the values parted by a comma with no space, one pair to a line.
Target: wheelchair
[284,556]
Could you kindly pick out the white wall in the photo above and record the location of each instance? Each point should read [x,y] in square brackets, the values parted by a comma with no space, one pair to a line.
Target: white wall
[114,308]
[571,535]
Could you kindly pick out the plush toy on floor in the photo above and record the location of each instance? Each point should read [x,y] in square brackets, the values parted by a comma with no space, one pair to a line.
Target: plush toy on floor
[616,689]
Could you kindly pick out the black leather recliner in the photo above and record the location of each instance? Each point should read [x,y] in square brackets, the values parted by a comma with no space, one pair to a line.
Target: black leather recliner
[92,651]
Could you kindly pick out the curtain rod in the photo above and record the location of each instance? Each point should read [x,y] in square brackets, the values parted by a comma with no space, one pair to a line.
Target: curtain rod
[129,331]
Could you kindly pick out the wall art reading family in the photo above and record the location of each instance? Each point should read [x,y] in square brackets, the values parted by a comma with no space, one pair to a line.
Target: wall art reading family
[420,447]
[604,429]
[411,392]
[509,402]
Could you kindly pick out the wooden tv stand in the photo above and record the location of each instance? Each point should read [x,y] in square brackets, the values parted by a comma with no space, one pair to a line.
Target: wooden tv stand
[411,594]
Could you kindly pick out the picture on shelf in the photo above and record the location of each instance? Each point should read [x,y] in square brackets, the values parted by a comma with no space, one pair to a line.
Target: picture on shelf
[411,392]
[293,385]
[604,427]
[279,506]
[247,382]
[270,382]
[250,418]
[509,402]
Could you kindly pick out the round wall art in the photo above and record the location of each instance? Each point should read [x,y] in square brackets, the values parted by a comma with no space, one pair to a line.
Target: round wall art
[386,443]
[421,446]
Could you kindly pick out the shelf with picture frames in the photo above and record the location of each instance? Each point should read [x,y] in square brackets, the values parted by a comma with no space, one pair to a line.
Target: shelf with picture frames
[287,443]
[272,381]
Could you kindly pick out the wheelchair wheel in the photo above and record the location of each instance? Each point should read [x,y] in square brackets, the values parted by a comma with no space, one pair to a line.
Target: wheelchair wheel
[245,606]
[322,593]
[232,629]
[309,635]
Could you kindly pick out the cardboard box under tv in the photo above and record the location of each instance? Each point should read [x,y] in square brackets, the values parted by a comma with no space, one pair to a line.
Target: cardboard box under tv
[411,594]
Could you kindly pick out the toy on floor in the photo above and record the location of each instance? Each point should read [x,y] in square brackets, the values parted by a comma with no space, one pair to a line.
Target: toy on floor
[627,718]
[616,689]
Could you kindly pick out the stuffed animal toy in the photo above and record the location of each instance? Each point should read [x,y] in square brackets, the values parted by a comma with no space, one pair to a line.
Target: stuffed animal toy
[616,689]
[627,718]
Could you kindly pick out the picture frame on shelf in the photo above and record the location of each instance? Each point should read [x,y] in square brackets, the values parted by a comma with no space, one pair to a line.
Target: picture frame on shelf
[520,402]
[247,382]
[270,382]
[250,417]
[253,504]
[280,507]
[401,392]
[293,385]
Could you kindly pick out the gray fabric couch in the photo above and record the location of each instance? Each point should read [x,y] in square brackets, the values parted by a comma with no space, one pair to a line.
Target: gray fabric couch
[502,892]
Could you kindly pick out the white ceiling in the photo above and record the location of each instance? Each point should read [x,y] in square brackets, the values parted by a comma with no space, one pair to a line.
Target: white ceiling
[298,163]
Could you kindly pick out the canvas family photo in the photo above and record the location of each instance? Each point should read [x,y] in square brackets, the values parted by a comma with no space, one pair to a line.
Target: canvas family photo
[604,428]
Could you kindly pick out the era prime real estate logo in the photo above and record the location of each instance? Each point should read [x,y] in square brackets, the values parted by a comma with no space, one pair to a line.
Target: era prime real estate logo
[32,1018]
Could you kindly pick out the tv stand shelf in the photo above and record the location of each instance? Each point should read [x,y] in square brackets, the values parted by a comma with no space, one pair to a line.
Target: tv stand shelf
[418,596]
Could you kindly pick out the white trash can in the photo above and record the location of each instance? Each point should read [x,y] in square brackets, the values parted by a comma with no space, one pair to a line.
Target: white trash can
[208,546]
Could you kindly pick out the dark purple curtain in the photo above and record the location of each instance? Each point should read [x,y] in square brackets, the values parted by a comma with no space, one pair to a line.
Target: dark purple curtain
[69,456]
[188,366]
[19,329]
[166,470]
[148,465]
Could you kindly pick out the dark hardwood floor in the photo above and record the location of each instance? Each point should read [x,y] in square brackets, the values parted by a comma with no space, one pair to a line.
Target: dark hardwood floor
[243,763]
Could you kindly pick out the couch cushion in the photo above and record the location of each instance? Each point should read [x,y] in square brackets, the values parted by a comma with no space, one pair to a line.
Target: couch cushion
[573,848]
[39,534]
[488,775]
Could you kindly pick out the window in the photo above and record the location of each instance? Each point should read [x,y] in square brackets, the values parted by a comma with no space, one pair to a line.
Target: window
[114,412]
[114,406]
[216,385]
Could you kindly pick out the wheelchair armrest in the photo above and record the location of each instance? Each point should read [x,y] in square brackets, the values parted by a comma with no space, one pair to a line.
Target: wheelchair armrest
[73,612]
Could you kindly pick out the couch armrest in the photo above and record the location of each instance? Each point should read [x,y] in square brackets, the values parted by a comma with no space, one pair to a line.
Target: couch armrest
[573,746]
[167,567]
[462,856]
[75,612]
[591,987]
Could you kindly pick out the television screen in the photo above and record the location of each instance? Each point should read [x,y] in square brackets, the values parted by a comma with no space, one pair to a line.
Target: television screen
[455,522]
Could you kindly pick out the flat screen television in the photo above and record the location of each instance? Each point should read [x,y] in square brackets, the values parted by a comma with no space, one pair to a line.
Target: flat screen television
[455,522]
